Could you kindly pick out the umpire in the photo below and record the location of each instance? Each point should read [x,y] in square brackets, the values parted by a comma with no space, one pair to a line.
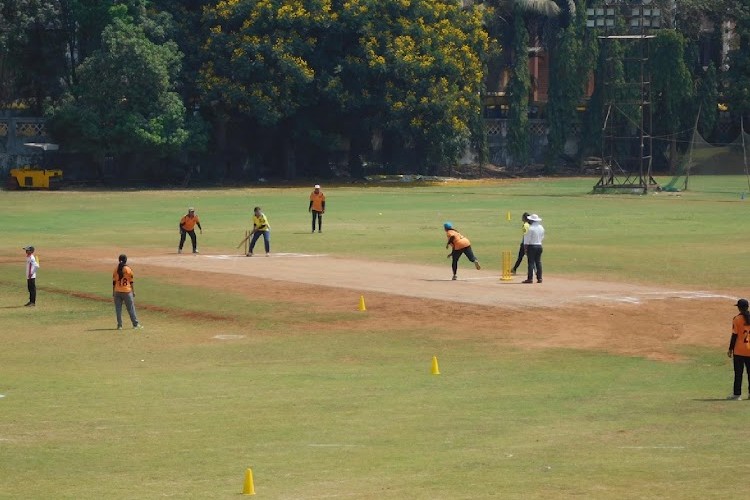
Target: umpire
[187,225]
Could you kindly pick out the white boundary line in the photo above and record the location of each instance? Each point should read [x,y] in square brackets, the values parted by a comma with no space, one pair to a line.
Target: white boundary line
[652,447]
[677,294]
[228,257]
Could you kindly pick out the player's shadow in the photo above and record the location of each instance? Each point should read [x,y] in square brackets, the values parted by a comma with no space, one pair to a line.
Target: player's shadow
[12,307]
[102,330]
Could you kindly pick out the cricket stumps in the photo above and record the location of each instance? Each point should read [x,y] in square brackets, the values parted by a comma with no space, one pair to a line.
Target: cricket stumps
[507,272]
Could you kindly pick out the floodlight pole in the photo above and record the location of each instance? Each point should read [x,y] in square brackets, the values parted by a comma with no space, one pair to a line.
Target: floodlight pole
[618,141]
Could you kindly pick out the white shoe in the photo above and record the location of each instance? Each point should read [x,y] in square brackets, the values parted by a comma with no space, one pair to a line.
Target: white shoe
[119,328]
[138,327]
[249,254]
[196,251]
[179,250]
[454,278]
[734,397]
[268,255]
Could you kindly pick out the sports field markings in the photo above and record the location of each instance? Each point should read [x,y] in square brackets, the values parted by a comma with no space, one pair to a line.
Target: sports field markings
[228,337]
[228,257]
[676,294]
[651,447]
[462,279]
[332,445]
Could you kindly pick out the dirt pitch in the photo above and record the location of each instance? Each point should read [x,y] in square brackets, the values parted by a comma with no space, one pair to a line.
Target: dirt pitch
[641,320]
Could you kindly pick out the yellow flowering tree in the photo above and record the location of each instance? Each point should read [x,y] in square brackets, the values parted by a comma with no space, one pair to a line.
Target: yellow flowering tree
[312,70]
[421,64]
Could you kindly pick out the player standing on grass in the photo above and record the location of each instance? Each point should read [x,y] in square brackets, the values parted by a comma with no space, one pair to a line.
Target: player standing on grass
[317,207]
[532,241]
[187,226]
[260,227]
[461,245]
[124,291]
[522,248]
[739,348]
[31,267]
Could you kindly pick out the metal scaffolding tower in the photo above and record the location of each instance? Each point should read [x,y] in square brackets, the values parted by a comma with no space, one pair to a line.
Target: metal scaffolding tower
[626,29]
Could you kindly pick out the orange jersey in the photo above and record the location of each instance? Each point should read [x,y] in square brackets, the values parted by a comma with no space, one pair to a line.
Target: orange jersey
[459,241]
[742,346]
[188,223]
[126,283]
[317,200]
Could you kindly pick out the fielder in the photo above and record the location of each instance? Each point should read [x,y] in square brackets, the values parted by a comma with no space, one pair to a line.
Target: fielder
[123,291]
[187,226]
[317,207]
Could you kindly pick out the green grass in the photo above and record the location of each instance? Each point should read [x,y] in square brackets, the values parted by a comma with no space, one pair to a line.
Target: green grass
[663,238]
[326,412]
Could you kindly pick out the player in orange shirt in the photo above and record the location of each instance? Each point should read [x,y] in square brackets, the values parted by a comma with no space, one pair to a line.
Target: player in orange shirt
[187,226]
[317,207]
[123,291]
[461,245]
[739,348]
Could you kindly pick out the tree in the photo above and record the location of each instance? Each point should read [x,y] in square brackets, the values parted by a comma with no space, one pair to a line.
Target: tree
[430,57]
[708,98]
[82,23]
[671,87]
[539,20]
[124,103]
[31,52]
[569,69]
[518,93]
[412,69]
[737,77]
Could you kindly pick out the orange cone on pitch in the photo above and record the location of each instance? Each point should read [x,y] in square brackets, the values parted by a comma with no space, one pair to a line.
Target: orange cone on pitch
[249,487]
[362,303]
[435,370]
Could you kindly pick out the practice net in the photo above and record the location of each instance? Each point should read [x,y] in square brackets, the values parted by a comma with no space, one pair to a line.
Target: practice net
[704,158]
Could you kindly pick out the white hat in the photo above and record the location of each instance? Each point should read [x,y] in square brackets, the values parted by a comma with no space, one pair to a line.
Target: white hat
[534,217]
[191,209]
[317,186]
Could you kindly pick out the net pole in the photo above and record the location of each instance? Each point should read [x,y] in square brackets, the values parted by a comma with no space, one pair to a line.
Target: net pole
[744,150]
[692,145]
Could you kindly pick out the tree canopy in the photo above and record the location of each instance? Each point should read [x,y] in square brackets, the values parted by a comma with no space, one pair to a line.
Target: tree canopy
[317,87]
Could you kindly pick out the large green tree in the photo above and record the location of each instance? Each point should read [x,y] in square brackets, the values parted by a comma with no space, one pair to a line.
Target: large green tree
[124,103]
[671,88]
[519,142]
[82,23]
[410,69]
[737,78]
[528,21]
[571,62]
[32,52]
[429,55]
